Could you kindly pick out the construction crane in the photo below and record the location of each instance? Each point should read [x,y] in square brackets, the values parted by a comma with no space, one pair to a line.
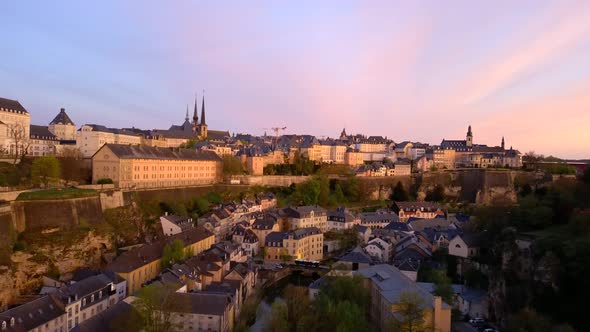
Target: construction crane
[276,130]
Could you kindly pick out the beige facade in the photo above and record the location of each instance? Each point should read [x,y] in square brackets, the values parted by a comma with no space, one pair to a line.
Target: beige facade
[444,158]
[255,165]
[138,166]
[306,244]
[354,158]
[62,127]
[90,138]
[14,127]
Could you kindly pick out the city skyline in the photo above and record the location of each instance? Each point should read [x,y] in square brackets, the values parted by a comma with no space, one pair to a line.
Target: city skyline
[419,72]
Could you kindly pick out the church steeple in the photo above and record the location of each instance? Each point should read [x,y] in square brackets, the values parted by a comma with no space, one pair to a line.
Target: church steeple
[186,118]
[469,138]
[502,142]
[203,123]
[195,113]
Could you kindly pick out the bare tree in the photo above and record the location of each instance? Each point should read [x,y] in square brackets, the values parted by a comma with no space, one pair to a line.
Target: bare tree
[21,140]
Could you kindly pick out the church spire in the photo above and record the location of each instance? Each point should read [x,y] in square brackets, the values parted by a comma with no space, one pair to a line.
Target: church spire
[186,118]
[502,142]
[195,112]
[203,123]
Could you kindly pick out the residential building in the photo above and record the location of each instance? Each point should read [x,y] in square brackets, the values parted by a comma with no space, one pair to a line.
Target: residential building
[354,260]
[202,311]
[380,249]
[386,284]
[304,243]
[142,264]
[353,158]
[264,226]
[173,224]
[378,219]
[341,219]
[41,141]
[307,216]
[266,200]
[140,166]
[465,245]
[15,123]
[424,210]
[250,243]
[46,313]
[86,298]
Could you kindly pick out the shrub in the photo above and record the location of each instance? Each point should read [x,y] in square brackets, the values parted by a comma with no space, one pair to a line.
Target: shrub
[105,181]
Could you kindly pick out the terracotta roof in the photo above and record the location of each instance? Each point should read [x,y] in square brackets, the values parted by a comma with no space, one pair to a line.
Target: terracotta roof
[124,151]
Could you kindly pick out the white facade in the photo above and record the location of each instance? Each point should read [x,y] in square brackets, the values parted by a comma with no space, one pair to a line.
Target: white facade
[89,140]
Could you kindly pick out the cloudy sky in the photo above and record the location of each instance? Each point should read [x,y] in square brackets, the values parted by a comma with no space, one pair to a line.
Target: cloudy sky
[408,70]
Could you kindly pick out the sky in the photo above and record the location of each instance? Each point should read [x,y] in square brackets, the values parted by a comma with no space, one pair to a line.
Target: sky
[408,70]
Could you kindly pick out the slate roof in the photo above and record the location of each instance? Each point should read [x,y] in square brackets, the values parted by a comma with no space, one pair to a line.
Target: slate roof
[198,303]
[9,105]
[217,135]
[267,222]
[133,259]
[304,232]
[32,314]
[250,236]
[104,320]
[421,224]
[275,239]
[341,214]
[125,151]
[399,226]
[391,283]
[378,217]
[41,132]
[184,223]
[62,118]
[415,206]
[304,211]
[357,255]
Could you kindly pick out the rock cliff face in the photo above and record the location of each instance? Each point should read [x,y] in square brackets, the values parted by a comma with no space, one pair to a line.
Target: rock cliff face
[54,255]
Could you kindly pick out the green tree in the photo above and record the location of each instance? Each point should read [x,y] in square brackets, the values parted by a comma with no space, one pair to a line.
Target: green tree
[443,287]
[338,194]
[190,144]
[45,170]
[399,193]
[351,189]
[307,193]
[151,304]
[232,165]
[436,195]
[411,313]
[278,319]
[173,253]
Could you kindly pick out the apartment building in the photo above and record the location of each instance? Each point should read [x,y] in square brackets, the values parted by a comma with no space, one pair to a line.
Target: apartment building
[143,264]
[15,123]
[203,311]
[43,314]
[307,216]
[421,210]
[91,137]
[305,243]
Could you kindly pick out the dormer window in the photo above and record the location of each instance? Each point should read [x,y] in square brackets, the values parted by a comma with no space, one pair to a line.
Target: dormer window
[12,321]
[92,298]
[100,295]
[83,302]
[3,325]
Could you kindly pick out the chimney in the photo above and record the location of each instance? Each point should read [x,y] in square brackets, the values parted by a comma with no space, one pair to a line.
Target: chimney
[63,109]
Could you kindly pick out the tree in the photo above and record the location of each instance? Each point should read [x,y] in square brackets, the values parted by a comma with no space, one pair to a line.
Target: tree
[532,160]
[190,144]
[436,195]
[338,194]
[277,320]
[399,193]
[45,170]
[232,165]
[151,304]
[20,138]
[298,304]
[586,176]
[443,286]
[173,253]
[411,313]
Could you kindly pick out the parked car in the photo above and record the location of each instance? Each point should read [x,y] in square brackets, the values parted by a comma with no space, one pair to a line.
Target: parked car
[476,321]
